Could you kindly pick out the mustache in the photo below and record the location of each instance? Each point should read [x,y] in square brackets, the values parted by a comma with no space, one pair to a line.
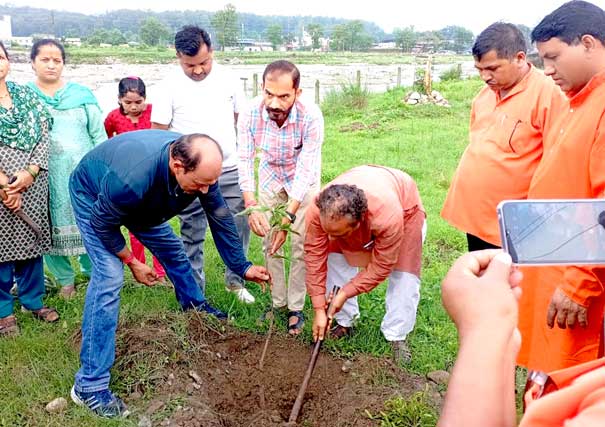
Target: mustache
[275,110]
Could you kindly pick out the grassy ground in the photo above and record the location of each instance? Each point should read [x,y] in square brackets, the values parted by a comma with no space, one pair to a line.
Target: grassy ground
[150,55]
[425,141]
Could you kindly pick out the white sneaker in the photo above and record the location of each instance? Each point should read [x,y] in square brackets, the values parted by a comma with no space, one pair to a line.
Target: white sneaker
[243,295]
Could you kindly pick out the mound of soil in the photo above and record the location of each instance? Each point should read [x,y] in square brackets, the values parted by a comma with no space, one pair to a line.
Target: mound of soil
[215,380]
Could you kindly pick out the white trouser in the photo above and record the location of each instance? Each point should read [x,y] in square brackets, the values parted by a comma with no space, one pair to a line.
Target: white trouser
[401,299]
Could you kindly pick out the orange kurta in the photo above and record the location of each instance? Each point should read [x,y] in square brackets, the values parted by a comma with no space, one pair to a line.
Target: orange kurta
[573,166]
[388,238]
[504,150]
[578,402]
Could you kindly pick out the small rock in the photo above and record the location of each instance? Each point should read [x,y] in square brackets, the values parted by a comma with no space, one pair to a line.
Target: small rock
[195,376]
[155,406]
[144,421]
[219,355]
[196,386]
[436,96]
[412,101]
[170,379]
[190,389]
[56,406]
[135,396]
[439,377]
[346,367]
[414,95]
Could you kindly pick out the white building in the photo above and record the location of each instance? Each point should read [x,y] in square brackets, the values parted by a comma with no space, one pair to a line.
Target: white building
[23,41]
[6,30]
[73,41]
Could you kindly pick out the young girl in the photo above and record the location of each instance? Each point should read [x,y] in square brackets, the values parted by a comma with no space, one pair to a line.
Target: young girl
[133,114]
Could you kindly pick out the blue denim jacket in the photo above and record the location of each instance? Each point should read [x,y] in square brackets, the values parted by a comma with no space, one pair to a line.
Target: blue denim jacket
[126,181]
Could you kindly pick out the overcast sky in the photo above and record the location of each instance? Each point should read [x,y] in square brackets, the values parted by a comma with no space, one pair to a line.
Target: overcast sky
[423,14]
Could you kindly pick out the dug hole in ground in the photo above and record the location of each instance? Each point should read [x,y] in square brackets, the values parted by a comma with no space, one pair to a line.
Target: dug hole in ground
[191,371]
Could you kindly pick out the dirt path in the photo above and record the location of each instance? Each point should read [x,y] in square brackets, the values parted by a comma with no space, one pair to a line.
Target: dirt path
[212,379]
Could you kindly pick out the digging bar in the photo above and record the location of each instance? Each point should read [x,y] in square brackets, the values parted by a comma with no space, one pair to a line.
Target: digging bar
[303,387]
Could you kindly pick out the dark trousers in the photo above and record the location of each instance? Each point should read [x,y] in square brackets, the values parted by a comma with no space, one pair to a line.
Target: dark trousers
[477,244]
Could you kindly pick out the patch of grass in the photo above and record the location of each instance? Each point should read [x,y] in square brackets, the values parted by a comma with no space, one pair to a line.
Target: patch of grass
[425,141]
[349,97]
[416,411]
[454,73]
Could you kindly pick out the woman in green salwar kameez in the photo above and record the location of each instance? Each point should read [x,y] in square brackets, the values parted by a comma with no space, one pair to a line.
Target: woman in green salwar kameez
[78,127]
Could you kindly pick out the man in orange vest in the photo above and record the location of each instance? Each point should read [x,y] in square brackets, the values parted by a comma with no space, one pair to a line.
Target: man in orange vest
[480,293]
[508,118]
[561,311]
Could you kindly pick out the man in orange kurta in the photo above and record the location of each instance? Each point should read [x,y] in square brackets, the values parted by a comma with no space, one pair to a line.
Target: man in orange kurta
[369,217]
[508,118]
[561,311]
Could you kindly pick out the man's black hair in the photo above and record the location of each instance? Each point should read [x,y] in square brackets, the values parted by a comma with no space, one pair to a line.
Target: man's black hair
[181,150]
[283,67]
[570,22]
[189,40]
[342,201]
[506,39]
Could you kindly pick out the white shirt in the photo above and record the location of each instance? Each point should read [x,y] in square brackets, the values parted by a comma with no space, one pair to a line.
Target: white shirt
[207,106]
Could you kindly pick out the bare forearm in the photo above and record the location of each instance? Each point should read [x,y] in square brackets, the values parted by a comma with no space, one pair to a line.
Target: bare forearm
[160,126]
[481,389]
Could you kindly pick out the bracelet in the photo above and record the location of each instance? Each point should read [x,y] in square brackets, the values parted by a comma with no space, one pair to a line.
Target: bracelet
[31,172]
[250,203]
[129,259]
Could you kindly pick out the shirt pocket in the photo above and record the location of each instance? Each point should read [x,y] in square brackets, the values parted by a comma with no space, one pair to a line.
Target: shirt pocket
[509,134]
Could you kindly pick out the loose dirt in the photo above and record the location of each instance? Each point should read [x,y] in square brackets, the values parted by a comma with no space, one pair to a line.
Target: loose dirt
[208,376]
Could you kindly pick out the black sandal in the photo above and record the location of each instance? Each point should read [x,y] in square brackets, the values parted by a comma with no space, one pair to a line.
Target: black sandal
[299,323]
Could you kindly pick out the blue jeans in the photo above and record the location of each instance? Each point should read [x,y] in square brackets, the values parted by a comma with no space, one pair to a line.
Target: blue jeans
[194,224]
[29,274]
[102,303]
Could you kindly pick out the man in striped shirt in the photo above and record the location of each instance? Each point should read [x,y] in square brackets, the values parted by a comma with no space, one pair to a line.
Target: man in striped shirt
[287,132]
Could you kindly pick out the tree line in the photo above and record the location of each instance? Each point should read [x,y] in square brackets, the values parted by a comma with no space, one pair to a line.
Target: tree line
[228,28]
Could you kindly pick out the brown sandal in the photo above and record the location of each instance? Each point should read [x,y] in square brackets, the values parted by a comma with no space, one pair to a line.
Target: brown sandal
[339,331]
[8,326]
[46,314]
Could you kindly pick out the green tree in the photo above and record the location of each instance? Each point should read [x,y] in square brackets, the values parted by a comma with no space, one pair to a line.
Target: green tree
[100,35]
[316,31]
[405,38]
[224,23]
[115,37]
[152,32]
[275,35]
[350,36]
[458,39]
[338,39]
[430,41]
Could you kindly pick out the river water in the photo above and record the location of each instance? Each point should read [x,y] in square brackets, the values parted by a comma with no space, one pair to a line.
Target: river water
[102,79]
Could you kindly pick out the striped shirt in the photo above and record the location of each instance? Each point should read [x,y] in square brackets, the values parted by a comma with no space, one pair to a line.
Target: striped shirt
[290,156]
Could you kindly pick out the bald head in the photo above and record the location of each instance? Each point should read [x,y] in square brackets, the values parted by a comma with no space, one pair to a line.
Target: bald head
[196,161]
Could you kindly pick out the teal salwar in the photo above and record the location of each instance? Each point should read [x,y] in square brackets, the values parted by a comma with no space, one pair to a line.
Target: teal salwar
[62,270]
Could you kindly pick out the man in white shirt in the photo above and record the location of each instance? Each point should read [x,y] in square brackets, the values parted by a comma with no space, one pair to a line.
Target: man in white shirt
[203,97]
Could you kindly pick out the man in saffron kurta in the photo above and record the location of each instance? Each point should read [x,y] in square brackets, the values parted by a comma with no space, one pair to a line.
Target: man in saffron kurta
[571,40]
[508,118]
[369,217]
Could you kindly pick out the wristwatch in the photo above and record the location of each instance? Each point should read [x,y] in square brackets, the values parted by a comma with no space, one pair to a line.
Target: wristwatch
[291,216]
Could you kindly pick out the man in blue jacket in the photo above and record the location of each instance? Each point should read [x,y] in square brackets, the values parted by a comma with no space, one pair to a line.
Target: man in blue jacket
[140,180]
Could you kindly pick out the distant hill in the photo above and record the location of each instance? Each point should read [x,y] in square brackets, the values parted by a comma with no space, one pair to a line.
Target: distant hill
[27,21]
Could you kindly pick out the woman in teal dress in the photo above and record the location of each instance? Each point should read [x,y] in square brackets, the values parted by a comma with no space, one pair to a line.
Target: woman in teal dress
[78,127]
